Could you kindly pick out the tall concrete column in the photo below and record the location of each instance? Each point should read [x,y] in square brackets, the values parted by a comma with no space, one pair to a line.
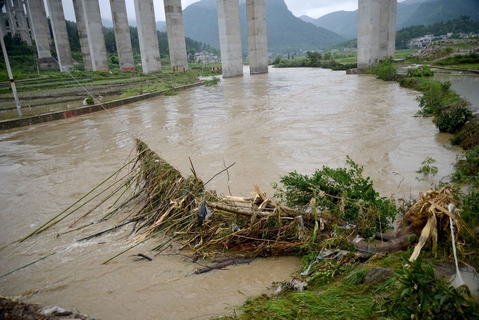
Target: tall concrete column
[17,19]
[393,7]
[96,39]
[257,36]
[82,34]
[387,29]
[176,35]
[147,36]
[41,34]
[368,32]
[230,38]
[122,35]
[376,31]
[60,35]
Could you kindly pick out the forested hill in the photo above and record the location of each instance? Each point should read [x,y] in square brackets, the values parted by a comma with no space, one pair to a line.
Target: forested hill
[409,13]
[463,24]
[286,33]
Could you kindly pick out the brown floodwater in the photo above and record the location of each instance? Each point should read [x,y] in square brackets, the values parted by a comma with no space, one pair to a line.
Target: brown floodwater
[268,125]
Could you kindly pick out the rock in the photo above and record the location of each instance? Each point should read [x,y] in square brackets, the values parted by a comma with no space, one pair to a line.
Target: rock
[378,275]
[15,310]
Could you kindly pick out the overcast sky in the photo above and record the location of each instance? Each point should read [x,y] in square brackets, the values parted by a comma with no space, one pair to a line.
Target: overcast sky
[312,8]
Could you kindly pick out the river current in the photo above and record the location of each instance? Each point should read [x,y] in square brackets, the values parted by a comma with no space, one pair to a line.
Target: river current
[268,125]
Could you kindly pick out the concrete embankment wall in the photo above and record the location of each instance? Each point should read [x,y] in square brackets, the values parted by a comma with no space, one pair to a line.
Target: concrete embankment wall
[65,114]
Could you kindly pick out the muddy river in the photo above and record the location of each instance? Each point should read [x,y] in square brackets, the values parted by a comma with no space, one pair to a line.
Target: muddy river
[268,125]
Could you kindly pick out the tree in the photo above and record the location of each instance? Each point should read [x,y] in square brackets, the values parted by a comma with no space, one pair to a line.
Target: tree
[314,58]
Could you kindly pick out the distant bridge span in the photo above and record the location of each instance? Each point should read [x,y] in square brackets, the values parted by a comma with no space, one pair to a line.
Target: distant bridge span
[376,33]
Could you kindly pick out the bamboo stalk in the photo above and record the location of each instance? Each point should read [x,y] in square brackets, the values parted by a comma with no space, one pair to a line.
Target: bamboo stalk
[44,227]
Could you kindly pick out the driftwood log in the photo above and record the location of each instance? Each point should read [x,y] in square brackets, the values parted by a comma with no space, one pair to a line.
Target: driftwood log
[223,264]
[425,219]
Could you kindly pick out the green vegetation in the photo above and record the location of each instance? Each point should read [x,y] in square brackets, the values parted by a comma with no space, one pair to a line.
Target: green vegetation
[413,293]
[336,287]
[471,58]
[422,71]
[90,101]
[428,167]
[418,294]
[325,60]
[342,194]
[447,107]
[463,24]
[385,70]
[23,57]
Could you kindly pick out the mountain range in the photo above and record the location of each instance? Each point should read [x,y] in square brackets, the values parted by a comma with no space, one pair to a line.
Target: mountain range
[286,32]
[409,13]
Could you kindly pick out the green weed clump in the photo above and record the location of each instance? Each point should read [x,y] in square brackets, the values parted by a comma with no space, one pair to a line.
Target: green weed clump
[449,110]
[334,302]
[428,167]
[423,71]
[467,169]
[418,294]
[471,58]
[385,70]
[452,119]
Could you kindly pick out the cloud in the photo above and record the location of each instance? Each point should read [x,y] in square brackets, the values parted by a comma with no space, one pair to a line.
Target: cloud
[318,8]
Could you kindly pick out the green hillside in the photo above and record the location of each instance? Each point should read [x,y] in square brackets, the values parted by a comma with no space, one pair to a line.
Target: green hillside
[286,33]
[409,13]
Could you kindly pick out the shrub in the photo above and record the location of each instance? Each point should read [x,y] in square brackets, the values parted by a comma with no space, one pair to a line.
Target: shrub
[433,100]
[419,295]
[344,193]
[385,70]
[90,101]
[453,119]
[423,71]
[428,167]
[467,169]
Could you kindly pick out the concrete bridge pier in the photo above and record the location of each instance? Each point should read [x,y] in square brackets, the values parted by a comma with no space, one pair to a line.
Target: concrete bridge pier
[376,31]
[17,20]
[230,38]
[41,34]
[176,35]
[147,35]
[257,36]
[96,39]
[122,35]
[60,35]
[82,34]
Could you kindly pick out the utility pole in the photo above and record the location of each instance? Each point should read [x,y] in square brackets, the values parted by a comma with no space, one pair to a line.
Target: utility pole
[10,75]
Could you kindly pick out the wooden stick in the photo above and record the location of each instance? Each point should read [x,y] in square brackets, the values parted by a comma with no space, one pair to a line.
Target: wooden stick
[245,212]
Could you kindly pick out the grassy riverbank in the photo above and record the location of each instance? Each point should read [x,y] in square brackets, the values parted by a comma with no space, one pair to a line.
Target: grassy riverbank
[55,91]
[343,286]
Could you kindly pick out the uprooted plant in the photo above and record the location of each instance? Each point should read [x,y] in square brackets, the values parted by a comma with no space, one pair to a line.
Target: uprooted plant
[342,195]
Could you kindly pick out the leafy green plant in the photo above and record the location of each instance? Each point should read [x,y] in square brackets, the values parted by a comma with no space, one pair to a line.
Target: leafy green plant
[427,167]
[90,101]
[433,100]
[342,193]
[212,82]
[356,277]
[385,70]
[452,119]
[467,169]
[423,71]
[418,294]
